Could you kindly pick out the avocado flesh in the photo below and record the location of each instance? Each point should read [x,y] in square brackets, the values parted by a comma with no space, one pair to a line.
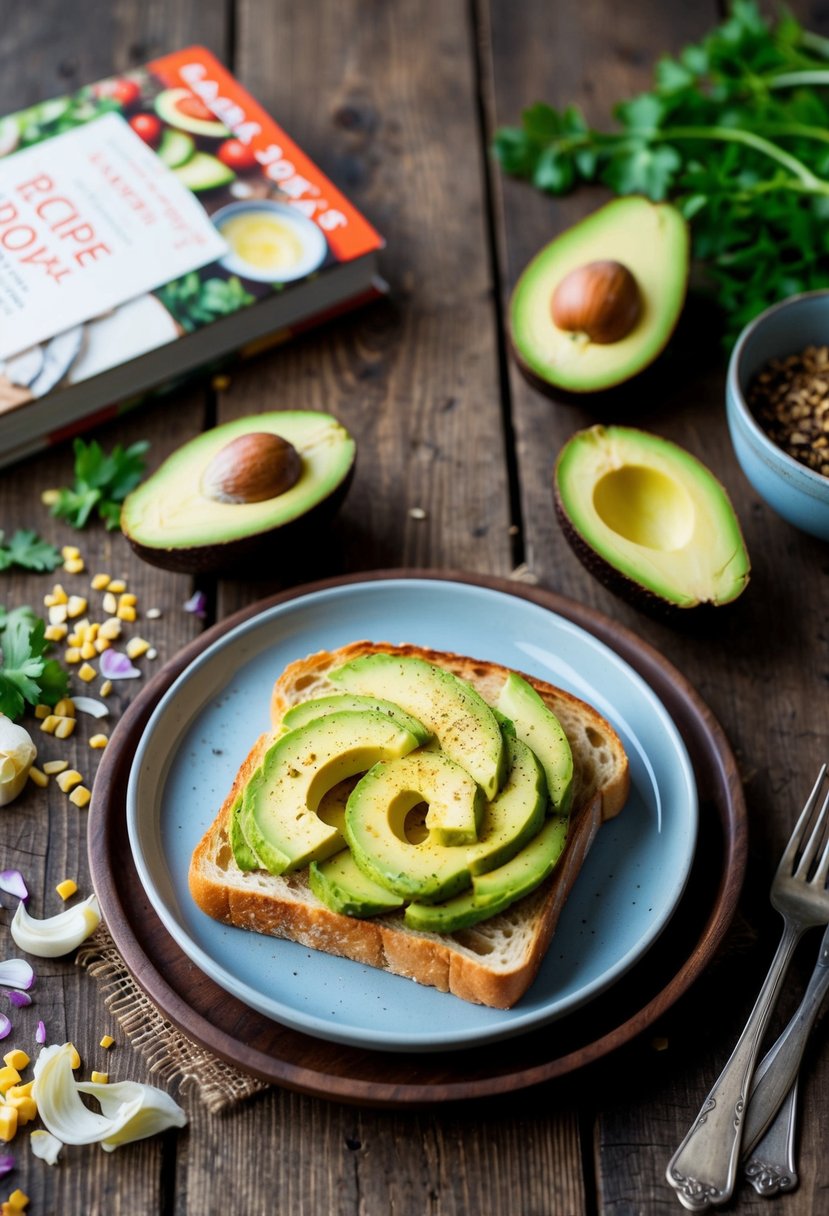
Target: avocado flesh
[201,171]
[168,511]
[643,508]
[463,723]
[652,241]
[375,825]
[539,728]
[497,889]
[306,711]
[343,887]
[243,854]
[175,148]
[515,816]
[167,108]
[279,816]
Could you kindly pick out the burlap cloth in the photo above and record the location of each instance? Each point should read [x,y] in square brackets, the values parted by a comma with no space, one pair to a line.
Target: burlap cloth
[169,1053]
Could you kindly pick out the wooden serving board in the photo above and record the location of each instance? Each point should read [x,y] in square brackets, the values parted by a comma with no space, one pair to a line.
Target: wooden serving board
[258,1045]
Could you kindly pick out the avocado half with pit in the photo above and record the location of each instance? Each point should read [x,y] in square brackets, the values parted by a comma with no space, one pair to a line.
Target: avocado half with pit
[597,304]
[649,519]
[250,487]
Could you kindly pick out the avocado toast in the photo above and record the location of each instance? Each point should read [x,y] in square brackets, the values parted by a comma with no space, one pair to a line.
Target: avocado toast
[325,838]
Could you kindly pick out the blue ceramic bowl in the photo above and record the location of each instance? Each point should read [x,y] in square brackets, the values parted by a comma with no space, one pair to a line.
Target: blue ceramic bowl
[797,493]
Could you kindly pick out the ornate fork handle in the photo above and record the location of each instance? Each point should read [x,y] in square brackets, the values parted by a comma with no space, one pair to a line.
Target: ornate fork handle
[703,1170]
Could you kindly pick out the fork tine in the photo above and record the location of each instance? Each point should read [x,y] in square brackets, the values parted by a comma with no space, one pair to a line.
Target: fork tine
[815,839]
[822,871]
[790,852]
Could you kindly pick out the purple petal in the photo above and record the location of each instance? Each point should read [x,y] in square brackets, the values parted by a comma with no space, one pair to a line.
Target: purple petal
[6,1164]
[117,666]
[16,973]
[19,999]
[40,1033]
[197,604]
[5,1026]
[11,881]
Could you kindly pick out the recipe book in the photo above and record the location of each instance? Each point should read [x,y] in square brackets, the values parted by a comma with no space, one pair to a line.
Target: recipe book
[153,224]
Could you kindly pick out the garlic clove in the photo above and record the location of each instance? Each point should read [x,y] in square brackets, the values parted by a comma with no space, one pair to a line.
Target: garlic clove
[17,755]
[56,935]
[46,1146]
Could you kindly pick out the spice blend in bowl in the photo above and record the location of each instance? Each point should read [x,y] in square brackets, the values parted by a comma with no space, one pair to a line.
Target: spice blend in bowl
[789,397]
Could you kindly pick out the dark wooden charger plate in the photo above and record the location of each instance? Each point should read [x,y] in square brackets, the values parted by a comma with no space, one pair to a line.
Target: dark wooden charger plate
[256,1044]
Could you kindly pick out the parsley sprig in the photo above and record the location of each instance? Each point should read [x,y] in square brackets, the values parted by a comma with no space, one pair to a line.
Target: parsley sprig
[27,675]
[101,484]
[26,549]
[735,130]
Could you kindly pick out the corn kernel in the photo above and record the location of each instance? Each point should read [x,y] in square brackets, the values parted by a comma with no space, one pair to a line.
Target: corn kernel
[8,1076]
[66,888]
[107,1041]
[100,1078]
[111,628]
[88,650]
[219,383]
[25,1107]
[74,639]
[18,1200]
[57,596]
[128,598]
[106,688]
[64,728]
[38,778]
[65,708]
[98,741]
[49,497]
[77,606]
[92,631]
[100,582]
[136,647]
[16,1058]
[20,1091]
[55,766]
[86,673]
[69,551]
[74,565]
[72,654]
[110,602]
[75,1059]
[42,711]
[102,644]
[80,796]
[118,585]
[152,653]
[55,633]
[8,1123]
[126,612]
[57,614]
[49,723]
[69,779]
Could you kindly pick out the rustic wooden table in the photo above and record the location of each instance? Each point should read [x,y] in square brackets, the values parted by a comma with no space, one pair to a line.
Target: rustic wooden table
[397,103]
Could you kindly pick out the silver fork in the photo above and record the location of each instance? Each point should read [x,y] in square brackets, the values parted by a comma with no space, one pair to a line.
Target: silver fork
[703,1170]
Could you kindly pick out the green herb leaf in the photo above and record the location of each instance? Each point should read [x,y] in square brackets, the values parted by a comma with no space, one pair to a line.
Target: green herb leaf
[101,481]
[27,549]
[27,676]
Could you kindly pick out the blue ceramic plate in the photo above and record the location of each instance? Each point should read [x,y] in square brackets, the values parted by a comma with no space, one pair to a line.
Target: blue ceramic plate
[206,723]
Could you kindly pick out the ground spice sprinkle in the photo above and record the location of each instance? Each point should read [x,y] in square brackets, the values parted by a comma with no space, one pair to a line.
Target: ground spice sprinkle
[789,397]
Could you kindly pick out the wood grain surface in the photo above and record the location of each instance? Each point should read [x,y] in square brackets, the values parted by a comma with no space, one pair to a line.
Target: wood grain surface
[397,101]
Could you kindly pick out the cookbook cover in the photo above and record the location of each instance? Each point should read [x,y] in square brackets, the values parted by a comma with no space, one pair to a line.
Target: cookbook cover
[145,210]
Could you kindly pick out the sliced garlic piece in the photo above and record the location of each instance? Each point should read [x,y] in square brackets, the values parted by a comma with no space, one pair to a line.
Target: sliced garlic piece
[56,935]
[46,1146]
[129,1110]
[17,755]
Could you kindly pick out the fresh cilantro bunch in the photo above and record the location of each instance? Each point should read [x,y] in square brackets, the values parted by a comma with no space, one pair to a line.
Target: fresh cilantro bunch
[735,131]
[27,549]
[194,301]
[27,676]
[101,483]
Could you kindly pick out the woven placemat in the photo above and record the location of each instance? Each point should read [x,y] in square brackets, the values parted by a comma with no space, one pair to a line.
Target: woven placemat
[169,1053]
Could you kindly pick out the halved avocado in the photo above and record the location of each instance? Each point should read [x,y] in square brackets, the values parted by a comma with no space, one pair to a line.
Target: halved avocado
[202,171]
[181,108]
[648,240]
[649,519]
[176,147]
[255,484]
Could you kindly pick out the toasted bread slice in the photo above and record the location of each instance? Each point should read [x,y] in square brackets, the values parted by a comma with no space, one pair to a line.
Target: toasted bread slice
[492,963]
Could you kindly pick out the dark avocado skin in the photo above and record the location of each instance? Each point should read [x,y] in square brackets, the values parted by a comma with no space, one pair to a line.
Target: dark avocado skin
[252,556]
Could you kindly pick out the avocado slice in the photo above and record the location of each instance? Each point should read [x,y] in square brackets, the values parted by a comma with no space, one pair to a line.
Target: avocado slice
[179,519]
[175,148]
[173,105]
[202,171]
[515,816]
[497,889]
[306,711]
[649,519]
[464,725]
[375,825]
[342,886]
[540,729]
[279,816]
[243,854]
[649,240]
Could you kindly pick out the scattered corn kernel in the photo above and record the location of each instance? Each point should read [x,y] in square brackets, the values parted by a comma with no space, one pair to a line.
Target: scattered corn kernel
[69,779]
[25,1107]
[100,582]
[153,614]
[152,653]
[107,1041]
[75,1059]
[88,650]
[49,723]
[9,1076]
[55,633]
[64,728]
[77,606]
[20,1091]
[8,1123]
[110,602]
[72,654]
[65,708]
[70,551]
[126,612]
[86,672]
[66,888]
[38,777]
[98,741]
[106,688]
[128,598]
[75,565]
[99,1078]
[80,796]
[56,596]
[16,1058]
[102,644]
[111,628]
[136,647]
[57,614]
[55,766]
[42,711]
[18,1200]
[118,585]
[49,497]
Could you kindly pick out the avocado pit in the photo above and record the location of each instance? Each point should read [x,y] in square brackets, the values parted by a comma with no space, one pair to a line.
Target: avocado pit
[252,468]
[601,299]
